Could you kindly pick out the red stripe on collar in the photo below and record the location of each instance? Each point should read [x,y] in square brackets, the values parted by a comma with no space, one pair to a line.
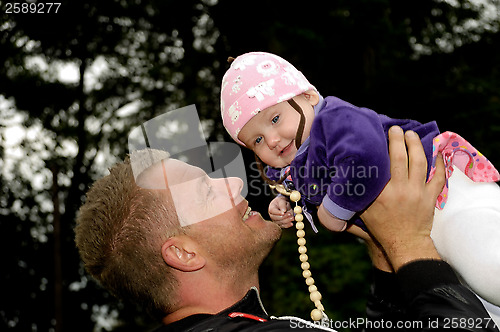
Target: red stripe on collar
[249,316]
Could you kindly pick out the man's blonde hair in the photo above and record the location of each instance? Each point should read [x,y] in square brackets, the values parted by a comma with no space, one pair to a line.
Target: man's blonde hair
[119,233]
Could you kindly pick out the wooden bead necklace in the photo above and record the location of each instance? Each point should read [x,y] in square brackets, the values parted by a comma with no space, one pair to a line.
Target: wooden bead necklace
[317,314]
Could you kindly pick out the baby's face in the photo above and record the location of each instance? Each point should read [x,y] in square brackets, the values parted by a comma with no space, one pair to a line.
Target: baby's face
[271,133]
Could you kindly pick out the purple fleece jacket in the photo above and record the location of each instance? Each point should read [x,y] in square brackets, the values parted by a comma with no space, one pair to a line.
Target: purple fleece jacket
[344,163]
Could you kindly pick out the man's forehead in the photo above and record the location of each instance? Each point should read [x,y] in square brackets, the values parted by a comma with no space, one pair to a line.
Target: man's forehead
[171,172]
[178,172]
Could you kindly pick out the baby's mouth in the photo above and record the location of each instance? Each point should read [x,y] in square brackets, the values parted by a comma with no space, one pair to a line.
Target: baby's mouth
[287,148]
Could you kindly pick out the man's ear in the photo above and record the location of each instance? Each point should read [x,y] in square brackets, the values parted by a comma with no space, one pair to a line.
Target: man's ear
[181,253]
[312,97]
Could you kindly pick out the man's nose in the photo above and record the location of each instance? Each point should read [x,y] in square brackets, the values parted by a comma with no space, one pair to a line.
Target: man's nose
[231,185]
[234,186]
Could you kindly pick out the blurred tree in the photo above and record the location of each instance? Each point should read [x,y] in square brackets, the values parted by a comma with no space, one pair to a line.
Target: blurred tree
[131,60]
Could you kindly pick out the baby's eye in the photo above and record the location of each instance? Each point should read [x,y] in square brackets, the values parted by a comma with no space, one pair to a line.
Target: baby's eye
[258,140]
[275,119]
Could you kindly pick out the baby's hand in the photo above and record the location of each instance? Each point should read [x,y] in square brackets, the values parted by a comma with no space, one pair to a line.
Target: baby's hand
[281,212]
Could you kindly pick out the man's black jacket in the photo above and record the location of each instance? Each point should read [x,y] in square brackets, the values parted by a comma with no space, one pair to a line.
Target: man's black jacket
[434,299]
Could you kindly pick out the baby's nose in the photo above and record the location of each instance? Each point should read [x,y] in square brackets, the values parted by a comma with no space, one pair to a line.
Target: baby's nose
[273,142]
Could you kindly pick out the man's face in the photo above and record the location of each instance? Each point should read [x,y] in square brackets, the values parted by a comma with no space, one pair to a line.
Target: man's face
[216,213]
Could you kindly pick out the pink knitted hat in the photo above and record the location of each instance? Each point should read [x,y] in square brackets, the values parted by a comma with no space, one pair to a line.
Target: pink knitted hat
[254,82]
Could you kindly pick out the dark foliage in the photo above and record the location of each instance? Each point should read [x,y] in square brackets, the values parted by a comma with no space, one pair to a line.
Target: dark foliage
[408,59]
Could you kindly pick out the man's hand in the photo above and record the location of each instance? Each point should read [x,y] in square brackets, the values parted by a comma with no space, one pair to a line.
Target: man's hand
[400,219]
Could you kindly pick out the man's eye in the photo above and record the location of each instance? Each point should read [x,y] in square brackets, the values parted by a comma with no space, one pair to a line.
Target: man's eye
[258,140]
[275,119]
[208,187]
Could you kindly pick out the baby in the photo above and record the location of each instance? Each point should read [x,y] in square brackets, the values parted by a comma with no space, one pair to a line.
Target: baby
[336,155]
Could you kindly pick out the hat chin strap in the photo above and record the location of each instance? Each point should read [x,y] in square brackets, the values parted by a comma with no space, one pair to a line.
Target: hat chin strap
[302,122]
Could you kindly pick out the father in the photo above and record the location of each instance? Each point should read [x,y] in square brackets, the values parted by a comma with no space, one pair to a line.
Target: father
[145,239]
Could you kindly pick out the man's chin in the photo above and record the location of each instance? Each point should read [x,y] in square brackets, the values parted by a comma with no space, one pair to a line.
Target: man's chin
[277,232]
[273,241]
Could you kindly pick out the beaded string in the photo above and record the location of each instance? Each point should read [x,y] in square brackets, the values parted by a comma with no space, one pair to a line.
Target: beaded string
[318,313]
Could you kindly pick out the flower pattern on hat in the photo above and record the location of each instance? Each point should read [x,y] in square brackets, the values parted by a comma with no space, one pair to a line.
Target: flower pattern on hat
[234,112]
[261,90]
